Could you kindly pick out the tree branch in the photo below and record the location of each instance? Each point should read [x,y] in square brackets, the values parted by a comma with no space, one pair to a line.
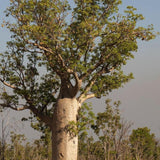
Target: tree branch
[78,81]
[47,50]
[85,97]
[14,108]
[7,84]
[46,119]
[105,11]
[100,62]
[40,47]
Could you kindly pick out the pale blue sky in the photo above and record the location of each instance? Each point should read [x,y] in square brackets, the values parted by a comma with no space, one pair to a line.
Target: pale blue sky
[141,97]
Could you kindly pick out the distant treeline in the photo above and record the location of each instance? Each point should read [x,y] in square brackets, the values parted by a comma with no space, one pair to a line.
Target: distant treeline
[105,136]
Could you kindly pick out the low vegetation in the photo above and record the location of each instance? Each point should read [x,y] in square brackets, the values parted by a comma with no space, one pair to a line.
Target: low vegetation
[105,136]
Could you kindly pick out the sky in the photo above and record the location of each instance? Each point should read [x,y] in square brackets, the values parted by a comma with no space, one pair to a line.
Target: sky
[140,98]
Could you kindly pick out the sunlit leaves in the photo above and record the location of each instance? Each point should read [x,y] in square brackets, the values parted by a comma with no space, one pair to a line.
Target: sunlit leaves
[49,37]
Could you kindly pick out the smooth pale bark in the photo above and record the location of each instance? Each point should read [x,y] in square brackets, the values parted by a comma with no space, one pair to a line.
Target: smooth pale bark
[64,144]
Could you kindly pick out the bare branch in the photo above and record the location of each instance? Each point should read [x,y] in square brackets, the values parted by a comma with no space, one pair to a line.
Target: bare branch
[40,47]
[85,97]
[14,108]
[78,81]
[7,84]
[62,61]
[19,109]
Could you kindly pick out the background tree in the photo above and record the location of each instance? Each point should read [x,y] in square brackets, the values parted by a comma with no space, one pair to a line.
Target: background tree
[86,118]
[143,144]
[157,150]
[107,125]
[44,144]
[3,138]
[6,126]
[112,132]
[90,147]
[59,56]
[122,142]
[19,149]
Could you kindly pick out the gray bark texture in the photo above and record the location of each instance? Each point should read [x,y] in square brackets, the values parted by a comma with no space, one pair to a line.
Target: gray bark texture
[64,144]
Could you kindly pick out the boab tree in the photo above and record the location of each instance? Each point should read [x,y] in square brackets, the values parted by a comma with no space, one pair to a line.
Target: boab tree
[60,55]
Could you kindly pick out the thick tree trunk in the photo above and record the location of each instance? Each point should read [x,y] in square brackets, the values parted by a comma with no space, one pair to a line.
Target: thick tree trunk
[64,144]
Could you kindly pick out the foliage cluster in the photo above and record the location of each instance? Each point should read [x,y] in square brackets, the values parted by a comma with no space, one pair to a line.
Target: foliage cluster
[51,55]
